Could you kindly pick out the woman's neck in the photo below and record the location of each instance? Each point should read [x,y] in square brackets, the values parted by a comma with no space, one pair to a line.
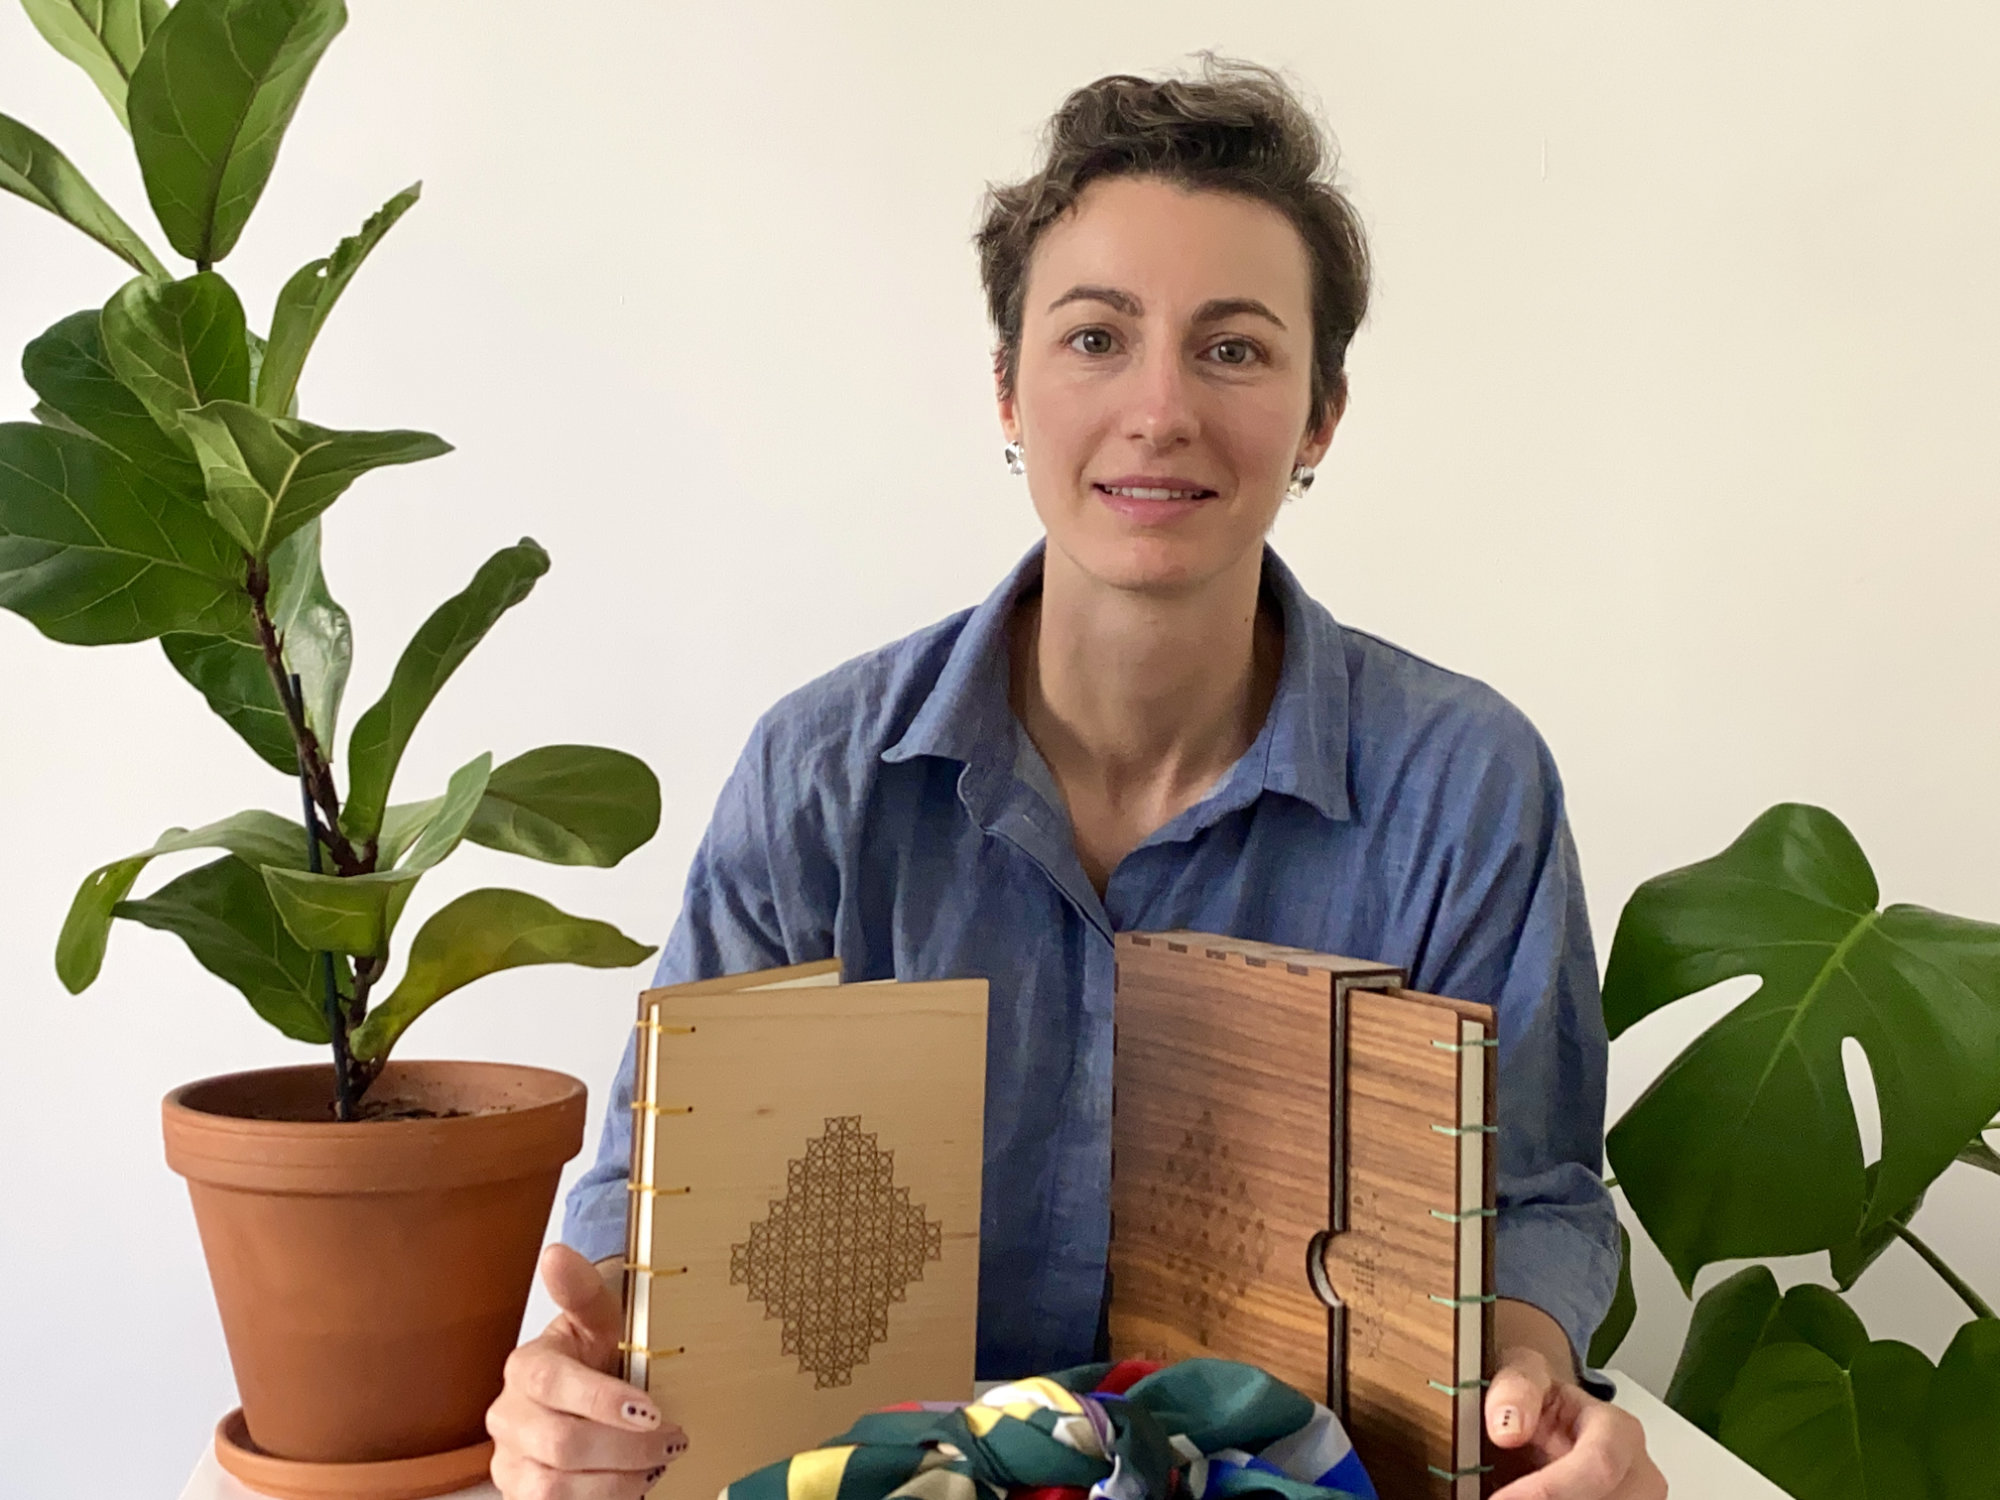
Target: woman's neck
[1139,703]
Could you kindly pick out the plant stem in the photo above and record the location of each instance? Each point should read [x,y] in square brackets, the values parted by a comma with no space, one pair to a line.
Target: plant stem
[1951,1278]
[314,772]
[366,972]
[345,1095]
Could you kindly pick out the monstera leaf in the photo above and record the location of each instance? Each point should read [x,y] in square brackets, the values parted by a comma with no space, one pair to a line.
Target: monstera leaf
[1964,1437]
[1623,1312]
[1748,1145]
[1816,1425]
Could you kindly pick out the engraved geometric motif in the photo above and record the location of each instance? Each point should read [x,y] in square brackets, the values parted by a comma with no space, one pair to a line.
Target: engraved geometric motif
[1203,1217]
[840,1246]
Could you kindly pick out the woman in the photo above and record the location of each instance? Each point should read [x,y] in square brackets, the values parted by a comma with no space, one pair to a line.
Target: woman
[1148,725]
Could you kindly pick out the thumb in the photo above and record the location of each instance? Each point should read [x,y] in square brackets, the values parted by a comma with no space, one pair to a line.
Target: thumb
[592,1315]
[1515,1398]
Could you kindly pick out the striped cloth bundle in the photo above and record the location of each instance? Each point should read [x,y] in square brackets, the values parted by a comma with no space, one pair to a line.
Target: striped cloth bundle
[1134,1430]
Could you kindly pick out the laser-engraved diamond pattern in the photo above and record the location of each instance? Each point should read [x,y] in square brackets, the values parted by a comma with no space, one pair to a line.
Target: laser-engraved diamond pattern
[840,1246]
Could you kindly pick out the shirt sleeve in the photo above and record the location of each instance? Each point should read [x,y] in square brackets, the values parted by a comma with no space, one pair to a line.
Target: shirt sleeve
[729,923]
[1512,930]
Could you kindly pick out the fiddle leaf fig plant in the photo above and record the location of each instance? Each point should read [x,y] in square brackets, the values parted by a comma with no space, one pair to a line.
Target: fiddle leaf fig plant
[168,489]
[1749,1145]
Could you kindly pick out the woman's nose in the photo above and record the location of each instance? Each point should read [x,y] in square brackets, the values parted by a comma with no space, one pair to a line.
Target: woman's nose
[1162,413]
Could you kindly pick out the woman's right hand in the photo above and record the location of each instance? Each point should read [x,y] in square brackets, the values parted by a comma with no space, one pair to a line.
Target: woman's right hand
[565,1427]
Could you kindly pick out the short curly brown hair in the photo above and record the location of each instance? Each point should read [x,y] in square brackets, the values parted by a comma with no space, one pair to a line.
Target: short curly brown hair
[1234,128]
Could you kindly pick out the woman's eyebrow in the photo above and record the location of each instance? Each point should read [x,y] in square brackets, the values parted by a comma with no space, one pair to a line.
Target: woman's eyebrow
[1212,311]
[1124,302]
[1230,307]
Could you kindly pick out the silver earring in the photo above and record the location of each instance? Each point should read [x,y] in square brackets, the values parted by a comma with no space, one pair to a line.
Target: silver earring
[1016,457]
[1302,480]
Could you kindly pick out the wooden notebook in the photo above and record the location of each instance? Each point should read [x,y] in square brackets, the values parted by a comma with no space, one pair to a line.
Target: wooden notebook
[803,1244]
[1301,1178]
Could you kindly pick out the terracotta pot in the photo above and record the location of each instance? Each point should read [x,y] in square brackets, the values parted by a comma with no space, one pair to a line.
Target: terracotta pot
[372,1276]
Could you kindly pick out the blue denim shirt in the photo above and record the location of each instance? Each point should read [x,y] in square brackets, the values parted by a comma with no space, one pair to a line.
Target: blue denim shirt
[895,814]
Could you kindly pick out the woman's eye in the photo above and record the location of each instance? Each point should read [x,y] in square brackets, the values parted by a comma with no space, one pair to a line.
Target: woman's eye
[1091,341]
[1234,351]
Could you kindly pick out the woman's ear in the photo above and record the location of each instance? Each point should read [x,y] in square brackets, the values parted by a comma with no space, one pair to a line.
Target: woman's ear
[1003,398]
[1319,436]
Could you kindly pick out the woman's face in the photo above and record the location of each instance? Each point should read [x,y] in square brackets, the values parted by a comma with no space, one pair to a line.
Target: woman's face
[1164,384]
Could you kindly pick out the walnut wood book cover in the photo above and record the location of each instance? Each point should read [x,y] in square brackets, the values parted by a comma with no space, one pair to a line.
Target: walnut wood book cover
[803,1244]
[1301,1179]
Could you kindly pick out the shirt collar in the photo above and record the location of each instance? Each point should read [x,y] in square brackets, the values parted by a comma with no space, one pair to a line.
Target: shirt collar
[1301,751]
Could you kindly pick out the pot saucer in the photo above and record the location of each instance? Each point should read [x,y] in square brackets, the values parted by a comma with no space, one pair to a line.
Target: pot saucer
[391,1479]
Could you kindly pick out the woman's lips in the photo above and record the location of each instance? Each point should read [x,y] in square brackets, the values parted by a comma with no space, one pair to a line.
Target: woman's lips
[1152,505]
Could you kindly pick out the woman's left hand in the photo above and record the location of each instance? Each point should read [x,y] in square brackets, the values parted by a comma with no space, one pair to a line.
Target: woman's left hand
[1574,1446]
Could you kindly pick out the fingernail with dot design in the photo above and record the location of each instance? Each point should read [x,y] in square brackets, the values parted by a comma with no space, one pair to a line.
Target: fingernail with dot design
[642,1414]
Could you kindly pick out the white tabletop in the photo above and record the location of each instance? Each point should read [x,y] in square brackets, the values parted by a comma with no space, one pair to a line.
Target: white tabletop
[1697,1467]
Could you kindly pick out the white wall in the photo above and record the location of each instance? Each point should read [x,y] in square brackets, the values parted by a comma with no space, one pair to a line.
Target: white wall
[1673,420]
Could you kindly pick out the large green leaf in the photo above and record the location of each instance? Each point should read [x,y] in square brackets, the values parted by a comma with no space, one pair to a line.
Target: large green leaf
[315,636]
[261,838]
[1624,1310]
[105,38]
[232,676]
[209,104]
[341,914]
[317,643]
[35,170]
[1748,1145]
[1811,1314]
[69,369]
[434,653]
[357,914]
[481,933]
[221,911]
[455,809]
[177,345]
[1848,1260]
[1965,1415]
[569,805]
[1727,1326]
[1818,1429]
[309,296]
[95,552]
[402,824]
[1976,1153]
[268,476]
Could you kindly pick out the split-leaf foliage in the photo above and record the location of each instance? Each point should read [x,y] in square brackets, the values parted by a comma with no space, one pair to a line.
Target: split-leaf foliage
[1749,1145]
[167,489]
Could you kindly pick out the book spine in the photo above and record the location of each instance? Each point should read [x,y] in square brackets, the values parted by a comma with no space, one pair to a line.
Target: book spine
[645,1190]
[1471,1298]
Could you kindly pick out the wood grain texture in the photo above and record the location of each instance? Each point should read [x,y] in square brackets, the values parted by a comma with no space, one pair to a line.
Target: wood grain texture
[817,1154]
[1223,1171]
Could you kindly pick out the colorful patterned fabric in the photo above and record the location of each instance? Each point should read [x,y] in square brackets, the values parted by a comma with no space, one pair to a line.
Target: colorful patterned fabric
[1133,1431]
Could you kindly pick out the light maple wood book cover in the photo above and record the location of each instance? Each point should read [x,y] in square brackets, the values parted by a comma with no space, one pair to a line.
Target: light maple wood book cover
[804,1238]
[1301,1179]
